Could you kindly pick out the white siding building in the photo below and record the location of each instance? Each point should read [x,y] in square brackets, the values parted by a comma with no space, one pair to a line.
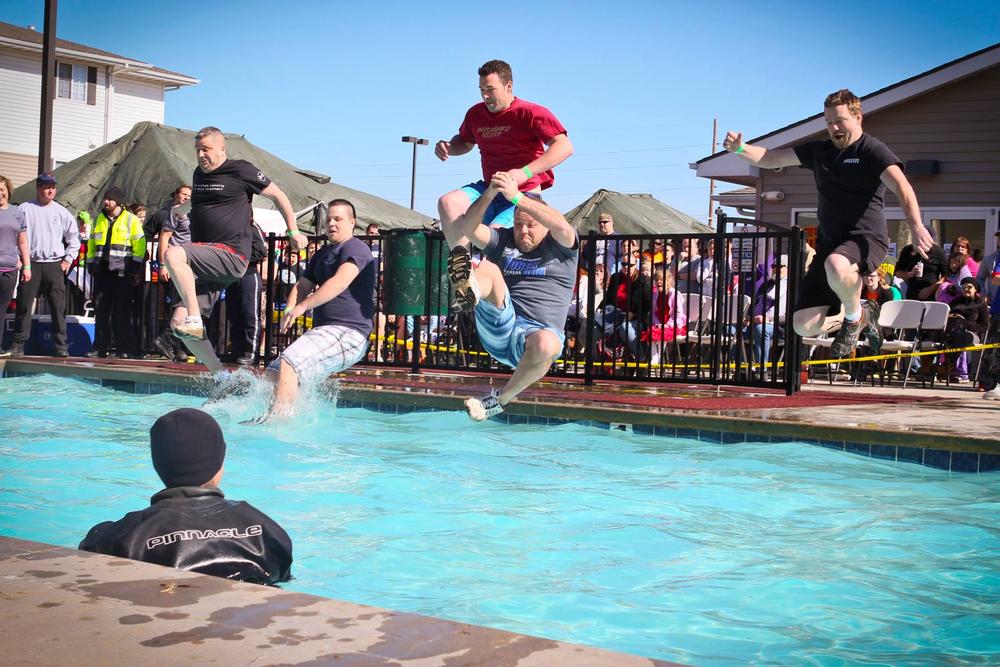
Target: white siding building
[99,97]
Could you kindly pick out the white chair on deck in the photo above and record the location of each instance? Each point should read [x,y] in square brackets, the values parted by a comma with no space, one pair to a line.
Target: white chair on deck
[900,316]
[727,320]
[935,320]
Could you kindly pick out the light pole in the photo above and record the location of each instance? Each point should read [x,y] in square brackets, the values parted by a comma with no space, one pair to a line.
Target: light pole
[413,175]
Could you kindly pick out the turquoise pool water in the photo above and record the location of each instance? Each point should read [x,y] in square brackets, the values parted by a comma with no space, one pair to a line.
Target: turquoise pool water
[700,553]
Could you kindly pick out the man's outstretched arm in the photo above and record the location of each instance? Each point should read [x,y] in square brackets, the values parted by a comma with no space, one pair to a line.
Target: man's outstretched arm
[758,155]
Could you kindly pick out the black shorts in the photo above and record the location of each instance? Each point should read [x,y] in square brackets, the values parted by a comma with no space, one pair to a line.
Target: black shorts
[866,251]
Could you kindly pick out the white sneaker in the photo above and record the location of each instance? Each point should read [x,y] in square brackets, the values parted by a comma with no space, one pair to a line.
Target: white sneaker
[191,327]
[993,394]
[480,409]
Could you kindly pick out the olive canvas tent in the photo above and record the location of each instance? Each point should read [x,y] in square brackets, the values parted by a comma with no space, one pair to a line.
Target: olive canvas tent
[151,160]
[634,214]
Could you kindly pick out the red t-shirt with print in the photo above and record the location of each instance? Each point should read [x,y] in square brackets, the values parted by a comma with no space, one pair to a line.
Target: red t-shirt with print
[511,138]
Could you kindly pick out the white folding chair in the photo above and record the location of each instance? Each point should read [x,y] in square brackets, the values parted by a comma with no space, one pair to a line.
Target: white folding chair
[934,321]
[698,309]
[900,316]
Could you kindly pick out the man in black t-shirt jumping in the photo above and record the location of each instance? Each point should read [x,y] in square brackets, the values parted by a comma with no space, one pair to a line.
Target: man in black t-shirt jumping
[852,170]
[221,215]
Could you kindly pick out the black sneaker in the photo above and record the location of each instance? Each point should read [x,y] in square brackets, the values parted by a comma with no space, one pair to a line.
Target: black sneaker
[245,360]
[14,350]
[61,354]
[463,279]
[847,338]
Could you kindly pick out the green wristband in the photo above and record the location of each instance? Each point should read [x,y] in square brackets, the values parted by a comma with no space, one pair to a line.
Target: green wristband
[516,199]
[740,149]
[26,267]
[292,232]
[527,171]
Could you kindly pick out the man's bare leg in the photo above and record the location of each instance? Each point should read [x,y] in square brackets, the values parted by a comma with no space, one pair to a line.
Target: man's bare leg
[451,207]
[541,348]
[286,388]
[184,282]
[812,321]
[845,280]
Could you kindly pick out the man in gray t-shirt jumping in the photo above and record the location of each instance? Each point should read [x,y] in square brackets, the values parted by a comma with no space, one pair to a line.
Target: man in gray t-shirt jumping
[522,290]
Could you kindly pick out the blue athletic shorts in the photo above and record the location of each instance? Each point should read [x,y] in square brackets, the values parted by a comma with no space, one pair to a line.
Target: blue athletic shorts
[500,212]
[502,331]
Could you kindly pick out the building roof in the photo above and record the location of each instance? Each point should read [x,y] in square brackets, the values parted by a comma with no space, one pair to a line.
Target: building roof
[728,167]
[31,40]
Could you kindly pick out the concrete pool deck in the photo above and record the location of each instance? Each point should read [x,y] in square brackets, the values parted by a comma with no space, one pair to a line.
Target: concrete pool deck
[64,607]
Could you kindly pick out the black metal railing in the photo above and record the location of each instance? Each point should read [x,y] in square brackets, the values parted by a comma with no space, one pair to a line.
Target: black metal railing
[704,308]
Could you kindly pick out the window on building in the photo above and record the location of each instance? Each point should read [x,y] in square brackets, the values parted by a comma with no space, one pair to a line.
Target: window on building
[76,82]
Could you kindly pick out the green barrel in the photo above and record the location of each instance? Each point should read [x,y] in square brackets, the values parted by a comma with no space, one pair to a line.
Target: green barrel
[414,260]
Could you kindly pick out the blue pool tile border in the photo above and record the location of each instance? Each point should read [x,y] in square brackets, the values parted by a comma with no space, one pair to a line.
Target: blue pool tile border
[953,461]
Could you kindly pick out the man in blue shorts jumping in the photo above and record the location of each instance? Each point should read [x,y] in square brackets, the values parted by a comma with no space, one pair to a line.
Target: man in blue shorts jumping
[522,139]
[522,289]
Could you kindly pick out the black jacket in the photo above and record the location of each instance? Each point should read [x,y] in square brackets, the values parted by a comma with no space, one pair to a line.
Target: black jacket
[975,314]
[638,295]
[195,528]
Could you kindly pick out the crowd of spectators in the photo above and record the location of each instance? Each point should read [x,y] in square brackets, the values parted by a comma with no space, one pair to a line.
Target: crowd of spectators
[637,303]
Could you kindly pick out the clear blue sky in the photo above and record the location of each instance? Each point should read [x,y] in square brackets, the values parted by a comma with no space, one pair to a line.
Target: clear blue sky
[333,85]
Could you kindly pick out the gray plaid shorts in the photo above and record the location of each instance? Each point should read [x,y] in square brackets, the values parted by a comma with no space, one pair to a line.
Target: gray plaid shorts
[322,351]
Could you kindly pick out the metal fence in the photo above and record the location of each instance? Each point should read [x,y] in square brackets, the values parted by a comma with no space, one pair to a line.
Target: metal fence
[706,309]
[710,309]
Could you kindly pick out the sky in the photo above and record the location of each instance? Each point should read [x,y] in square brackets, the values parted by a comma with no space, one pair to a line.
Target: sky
[333,86]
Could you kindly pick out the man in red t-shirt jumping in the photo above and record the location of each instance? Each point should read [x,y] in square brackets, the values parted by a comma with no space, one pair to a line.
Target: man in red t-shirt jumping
[520,138]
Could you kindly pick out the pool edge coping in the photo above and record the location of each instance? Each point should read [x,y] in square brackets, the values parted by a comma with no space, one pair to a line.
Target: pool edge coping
[873,443]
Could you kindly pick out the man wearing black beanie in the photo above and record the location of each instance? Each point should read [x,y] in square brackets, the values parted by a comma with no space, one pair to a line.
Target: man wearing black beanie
[190,525]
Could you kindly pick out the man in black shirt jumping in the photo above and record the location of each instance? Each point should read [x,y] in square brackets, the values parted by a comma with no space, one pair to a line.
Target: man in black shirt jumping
[221,216]
[852,170]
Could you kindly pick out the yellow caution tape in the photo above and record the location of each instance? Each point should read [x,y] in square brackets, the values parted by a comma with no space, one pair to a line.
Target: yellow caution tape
[390,340]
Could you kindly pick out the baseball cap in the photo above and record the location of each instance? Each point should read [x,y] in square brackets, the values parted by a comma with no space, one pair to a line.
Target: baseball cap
[45,178]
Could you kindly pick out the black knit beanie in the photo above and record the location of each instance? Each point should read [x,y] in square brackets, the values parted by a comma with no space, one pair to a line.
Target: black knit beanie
[187,447]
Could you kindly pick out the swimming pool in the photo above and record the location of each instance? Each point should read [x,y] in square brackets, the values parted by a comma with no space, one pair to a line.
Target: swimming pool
[677,549]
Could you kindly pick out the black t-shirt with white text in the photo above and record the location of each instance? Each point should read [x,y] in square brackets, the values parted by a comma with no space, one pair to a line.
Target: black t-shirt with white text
[851,191]
[220,204]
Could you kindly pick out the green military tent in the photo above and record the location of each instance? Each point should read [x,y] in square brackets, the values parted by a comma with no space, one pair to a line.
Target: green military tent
[634,214]
[151,160]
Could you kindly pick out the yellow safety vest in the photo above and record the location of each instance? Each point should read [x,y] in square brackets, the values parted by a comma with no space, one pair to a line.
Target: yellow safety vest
[128,242]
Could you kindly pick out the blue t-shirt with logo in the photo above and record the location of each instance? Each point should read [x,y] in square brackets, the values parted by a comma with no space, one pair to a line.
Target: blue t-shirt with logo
[355,306]
[540,281]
